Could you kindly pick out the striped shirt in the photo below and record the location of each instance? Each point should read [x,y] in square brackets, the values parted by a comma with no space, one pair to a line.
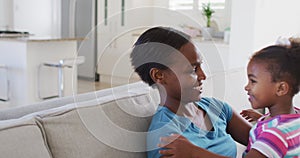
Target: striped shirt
[277,137]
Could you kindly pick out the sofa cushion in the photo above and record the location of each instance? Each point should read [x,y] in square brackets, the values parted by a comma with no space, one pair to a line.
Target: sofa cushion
[111,126]
[22,138]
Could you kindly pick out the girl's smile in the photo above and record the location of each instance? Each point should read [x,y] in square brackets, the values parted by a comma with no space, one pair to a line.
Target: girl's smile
[261,88]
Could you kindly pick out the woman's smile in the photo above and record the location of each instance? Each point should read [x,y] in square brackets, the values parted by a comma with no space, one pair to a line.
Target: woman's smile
[198,88]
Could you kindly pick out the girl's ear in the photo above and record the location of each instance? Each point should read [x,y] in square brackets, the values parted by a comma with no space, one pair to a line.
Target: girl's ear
[157,75]
[283,88]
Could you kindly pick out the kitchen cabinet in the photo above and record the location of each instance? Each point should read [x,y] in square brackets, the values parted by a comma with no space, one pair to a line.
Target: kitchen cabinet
[23,56]
[116,36]
[38,17]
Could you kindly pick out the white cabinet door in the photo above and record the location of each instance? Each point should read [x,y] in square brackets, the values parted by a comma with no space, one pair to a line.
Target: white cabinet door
[117,29]
[109,32]
[6,12]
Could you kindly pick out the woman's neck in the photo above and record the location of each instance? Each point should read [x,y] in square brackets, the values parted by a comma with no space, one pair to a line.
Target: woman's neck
[192,112]
[175,105]
[188,110]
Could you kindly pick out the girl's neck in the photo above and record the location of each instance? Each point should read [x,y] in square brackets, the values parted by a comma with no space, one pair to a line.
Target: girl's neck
[283,107]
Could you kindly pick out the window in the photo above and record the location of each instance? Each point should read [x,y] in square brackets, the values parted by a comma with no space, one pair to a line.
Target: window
[215,4]
[195,4]
[181,4]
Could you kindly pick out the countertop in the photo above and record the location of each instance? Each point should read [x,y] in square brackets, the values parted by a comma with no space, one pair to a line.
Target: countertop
[40,39]
[199,39]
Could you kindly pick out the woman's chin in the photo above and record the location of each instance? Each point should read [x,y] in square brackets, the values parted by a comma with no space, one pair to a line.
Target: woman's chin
[193,98]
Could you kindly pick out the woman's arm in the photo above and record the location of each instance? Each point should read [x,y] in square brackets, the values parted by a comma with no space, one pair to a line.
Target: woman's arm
[178,146]
[239,129]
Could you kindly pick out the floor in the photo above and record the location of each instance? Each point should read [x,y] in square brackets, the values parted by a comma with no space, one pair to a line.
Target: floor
[84,86]
[88,86]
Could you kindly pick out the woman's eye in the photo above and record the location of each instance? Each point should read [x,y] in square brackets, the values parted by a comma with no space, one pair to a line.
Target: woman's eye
[196,68]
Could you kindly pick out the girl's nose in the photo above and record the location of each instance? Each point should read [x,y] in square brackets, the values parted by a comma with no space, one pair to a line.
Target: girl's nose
[247,87]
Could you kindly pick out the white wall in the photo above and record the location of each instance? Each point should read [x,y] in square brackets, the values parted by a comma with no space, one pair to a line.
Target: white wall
[242,32]
[275,18]
[258,23]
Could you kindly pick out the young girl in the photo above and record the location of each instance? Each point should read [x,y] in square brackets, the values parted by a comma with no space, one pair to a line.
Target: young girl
[167,59]
[274,79]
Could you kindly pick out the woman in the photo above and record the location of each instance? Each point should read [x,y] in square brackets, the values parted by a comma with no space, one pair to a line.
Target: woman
[167,59]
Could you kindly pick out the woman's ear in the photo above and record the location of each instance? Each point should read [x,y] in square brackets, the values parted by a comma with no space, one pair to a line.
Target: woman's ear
[283,88]
[157,75]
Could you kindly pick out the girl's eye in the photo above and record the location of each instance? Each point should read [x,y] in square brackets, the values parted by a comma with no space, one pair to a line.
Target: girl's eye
[252,81]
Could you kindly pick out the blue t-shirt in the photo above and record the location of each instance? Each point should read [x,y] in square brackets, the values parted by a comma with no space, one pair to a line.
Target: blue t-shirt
[218,141]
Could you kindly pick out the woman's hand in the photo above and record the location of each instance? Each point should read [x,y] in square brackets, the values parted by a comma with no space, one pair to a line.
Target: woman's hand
[176,146]
[251,115]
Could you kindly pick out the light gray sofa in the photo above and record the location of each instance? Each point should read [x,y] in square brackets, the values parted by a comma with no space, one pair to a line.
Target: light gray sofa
[108,123]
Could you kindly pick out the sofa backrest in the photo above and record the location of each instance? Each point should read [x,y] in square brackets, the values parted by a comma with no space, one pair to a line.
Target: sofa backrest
[19,111]
[108,123]
[111,126]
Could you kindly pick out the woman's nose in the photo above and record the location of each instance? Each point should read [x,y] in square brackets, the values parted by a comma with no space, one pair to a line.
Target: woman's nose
[201,75]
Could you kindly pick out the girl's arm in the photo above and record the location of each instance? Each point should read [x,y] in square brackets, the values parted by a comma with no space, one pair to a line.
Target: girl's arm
[254,153]
[239,129]
[251,115]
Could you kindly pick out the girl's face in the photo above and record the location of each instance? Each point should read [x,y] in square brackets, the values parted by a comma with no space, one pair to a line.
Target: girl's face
[183,80]
[261,89]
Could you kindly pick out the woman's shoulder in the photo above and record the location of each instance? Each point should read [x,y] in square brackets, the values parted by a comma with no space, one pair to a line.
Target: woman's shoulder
[209,101]
[163,114]
[215,105]
[167,119]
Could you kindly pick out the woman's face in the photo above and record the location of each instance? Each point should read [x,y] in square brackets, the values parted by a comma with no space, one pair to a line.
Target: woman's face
[261,89]
[183,80]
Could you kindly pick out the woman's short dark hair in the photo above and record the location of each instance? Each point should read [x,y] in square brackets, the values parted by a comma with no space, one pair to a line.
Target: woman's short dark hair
[154,48]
